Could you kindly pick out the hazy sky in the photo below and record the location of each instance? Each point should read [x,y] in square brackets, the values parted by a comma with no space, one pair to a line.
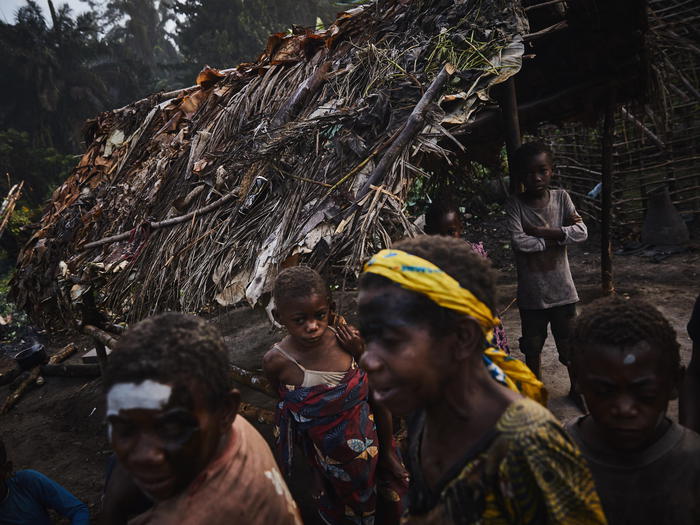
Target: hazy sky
[9,7]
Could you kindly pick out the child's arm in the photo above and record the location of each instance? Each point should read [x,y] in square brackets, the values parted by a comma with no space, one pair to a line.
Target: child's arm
[272,365]
[53,496]
[388,459]
[521,240]
[574,229]
[350,340]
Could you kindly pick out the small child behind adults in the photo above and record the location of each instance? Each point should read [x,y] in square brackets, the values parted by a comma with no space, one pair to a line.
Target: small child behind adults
[542,222]
[442,218]
[26,495]
[627,363]
[173,424]
[325,407]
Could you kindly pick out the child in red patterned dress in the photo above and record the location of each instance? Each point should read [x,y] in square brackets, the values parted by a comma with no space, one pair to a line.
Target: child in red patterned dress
[324,406]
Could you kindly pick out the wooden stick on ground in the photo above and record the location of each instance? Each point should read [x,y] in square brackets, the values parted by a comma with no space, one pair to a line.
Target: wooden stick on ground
[12,399]
[261,415]
[102,336]
[254,381]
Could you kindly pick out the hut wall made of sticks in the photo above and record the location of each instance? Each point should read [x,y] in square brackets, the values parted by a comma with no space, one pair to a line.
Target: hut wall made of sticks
[657,139]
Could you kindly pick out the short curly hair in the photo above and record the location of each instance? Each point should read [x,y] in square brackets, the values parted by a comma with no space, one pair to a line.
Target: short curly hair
[524,153]
[172,348]
[299,281]
[457,259]
[614,321]
[436,211]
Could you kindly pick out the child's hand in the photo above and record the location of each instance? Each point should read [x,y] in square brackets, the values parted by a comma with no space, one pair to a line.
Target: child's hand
[350,340]
[390,466]
[573,219]
[532,231]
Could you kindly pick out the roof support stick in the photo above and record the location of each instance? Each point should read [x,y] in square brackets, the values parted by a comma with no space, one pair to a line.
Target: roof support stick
[511,125]
[606,194]
[413,126]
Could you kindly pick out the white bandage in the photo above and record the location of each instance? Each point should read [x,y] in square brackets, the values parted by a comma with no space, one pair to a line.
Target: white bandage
[147,395]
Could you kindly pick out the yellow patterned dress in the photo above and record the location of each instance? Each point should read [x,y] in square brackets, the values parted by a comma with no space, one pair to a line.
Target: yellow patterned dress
[526,471]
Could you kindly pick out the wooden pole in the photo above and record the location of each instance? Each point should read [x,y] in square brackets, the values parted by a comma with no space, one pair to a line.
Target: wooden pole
[99,335]
[414,125]
[254,381]
[59,356]
[101,352]
[511,125]
[606,195]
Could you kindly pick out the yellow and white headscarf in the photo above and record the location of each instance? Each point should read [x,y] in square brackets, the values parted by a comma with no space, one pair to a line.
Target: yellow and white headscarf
[420,275]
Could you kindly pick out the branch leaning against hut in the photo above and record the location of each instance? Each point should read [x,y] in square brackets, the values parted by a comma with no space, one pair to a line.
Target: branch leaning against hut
[413,126]
[8,205]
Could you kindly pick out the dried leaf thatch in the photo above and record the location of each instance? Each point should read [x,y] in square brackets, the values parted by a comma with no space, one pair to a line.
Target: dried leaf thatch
[197,198]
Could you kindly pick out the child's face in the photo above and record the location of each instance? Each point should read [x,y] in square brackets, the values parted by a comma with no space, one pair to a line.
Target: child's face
[451,225]
[405,364]
[306,318]
[627,392]
[537,174]
[165,442]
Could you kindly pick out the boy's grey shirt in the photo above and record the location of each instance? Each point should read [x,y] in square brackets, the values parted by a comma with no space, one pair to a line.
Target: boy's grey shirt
[544,276]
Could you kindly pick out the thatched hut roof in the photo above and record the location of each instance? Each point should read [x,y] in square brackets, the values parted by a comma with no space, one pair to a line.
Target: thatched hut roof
[193,199]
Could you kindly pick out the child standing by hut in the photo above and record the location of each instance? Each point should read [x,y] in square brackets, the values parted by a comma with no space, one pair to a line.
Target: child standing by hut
[325,406]
[542,222]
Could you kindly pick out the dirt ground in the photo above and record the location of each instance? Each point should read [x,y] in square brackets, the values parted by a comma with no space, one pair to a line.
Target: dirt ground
[58,429]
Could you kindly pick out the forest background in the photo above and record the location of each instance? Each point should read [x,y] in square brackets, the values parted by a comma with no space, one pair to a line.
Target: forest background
[60,67]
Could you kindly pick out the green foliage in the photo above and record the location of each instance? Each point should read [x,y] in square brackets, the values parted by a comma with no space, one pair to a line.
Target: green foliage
[224,33]
[22,216]
[57,69]
[53,78]
[472,186]
[40,167]
[142,31]
[14,318]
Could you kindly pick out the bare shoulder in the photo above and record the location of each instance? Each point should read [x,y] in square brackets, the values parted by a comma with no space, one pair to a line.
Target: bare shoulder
[273,362]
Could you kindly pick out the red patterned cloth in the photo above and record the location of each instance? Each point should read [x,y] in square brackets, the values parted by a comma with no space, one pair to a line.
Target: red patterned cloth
[335,427]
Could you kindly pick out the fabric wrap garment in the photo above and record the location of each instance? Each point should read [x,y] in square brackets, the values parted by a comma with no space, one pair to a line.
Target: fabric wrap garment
[335,427]
[420,275]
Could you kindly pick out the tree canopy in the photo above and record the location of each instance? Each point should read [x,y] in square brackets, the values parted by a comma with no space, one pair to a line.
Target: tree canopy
[59,69]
